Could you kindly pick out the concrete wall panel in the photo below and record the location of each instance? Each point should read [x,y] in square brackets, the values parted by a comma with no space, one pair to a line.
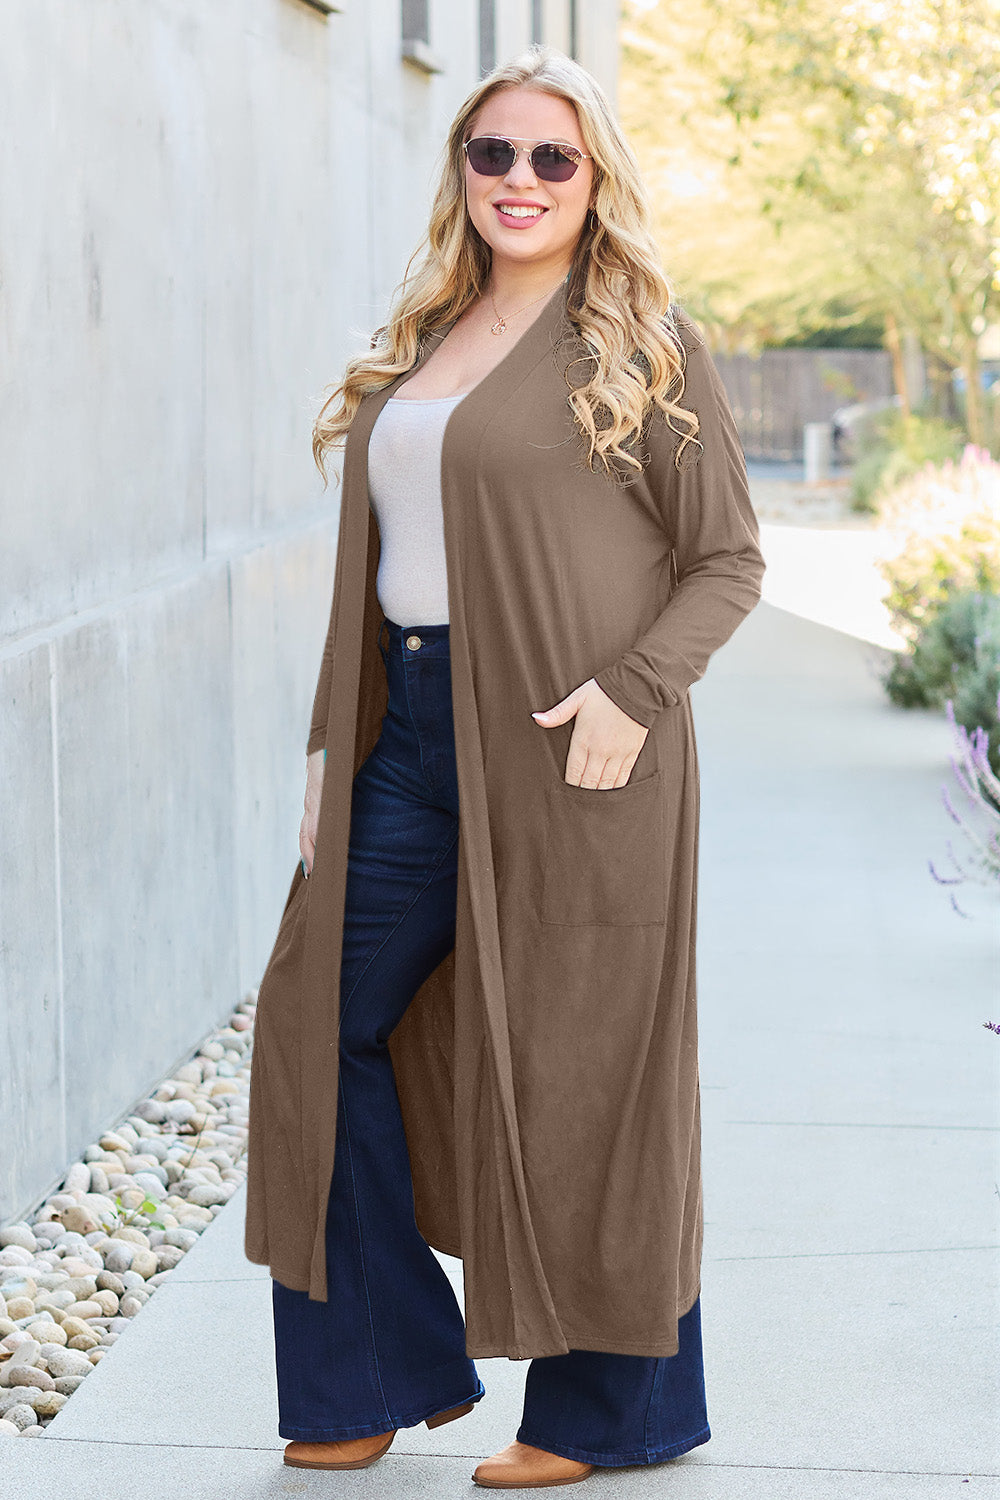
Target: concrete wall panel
[181,808]
[289,230]
[233,426]
[31,1117]
[597,44]
[102,903]
[147,836]
[103,252]
[281,603]
[555,19]
[513,29]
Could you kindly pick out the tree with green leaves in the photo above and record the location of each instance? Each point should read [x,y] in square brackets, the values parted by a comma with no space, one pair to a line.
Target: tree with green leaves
[814,162]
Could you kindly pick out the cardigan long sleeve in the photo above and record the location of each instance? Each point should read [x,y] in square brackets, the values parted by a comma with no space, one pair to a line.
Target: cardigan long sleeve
[707,514]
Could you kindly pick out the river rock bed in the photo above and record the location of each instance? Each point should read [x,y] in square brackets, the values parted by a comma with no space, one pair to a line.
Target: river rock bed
[79,1268]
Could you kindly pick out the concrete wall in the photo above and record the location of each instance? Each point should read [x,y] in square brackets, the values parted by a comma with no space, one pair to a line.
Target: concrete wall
[203,211]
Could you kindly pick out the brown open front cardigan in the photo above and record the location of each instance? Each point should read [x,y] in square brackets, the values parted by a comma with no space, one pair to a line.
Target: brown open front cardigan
[548,1069]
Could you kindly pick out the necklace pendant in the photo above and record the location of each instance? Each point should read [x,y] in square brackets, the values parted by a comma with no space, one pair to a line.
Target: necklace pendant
[499,326]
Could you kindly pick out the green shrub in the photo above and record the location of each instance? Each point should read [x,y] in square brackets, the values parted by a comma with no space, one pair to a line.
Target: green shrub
[955,656]
[892,446]
[956,641]
[941,536]
[941,559]
[977,689]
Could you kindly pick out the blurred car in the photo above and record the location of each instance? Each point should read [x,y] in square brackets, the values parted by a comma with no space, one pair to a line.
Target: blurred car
[989,375]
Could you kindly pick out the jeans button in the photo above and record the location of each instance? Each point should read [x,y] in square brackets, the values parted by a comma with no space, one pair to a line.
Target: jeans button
[414,642]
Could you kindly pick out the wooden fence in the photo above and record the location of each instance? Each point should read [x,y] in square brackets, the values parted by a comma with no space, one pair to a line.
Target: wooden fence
[774,394]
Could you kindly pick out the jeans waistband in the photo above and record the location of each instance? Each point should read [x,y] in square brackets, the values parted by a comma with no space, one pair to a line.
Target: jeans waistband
[406,642]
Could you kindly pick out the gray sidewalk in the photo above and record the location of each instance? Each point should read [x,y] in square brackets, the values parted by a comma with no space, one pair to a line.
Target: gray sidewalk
[850,1123]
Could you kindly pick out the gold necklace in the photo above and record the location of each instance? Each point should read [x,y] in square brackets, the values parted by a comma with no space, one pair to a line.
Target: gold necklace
[500,326]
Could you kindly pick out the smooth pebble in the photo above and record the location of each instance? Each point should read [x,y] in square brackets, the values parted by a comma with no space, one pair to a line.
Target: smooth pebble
[85,1310]
[68,1362]
[129,1235]
[81,1287]
[22,1415]
[80,1218]
[204,1195]
[182,1238]
[181,1110]
[19,1234]
[143,1264]
[15,1255]
[26,1353]
[49,1403]
[72,1326]
[67,1384]
[47,1332]
[77,1178]
[152,1110]
[28,1375]
[98,1179]
[112,1141]
[153,1183]
[119,1257]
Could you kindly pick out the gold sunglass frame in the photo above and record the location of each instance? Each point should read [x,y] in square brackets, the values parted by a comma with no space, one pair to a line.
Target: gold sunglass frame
[576,155]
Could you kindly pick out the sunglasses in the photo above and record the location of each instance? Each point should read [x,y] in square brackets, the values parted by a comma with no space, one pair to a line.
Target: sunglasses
[551,161]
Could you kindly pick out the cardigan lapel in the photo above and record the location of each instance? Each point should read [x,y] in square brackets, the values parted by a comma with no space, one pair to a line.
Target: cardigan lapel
[538,339]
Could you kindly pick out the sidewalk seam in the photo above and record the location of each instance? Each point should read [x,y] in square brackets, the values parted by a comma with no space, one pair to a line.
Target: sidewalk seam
[702,1462]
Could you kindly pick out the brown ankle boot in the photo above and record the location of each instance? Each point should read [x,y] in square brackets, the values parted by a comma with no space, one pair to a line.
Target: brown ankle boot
[348,1453]
[358,1453]
[519,1466]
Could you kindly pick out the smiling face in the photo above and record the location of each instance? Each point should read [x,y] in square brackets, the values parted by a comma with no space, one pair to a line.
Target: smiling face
[548,216]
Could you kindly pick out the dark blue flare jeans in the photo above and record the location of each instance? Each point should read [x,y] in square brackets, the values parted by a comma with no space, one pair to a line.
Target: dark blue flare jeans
[387,1349]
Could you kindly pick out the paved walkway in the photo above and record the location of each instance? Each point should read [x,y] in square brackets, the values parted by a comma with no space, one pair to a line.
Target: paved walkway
[849,1106]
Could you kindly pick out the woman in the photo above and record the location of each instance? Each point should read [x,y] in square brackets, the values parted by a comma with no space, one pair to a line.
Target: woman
[477,1029]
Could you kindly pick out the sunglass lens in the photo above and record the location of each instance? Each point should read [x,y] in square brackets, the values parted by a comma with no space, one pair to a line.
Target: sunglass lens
[491,158]
[552,163]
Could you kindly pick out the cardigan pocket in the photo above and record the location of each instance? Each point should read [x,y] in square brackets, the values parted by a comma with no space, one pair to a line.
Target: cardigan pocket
[605,855]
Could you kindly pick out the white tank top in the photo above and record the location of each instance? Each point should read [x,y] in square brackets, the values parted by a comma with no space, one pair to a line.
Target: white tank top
[404,489]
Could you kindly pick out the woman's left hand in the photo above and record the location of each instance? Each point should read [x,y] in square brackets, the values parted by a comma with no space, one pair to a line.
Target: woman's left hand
[606,741]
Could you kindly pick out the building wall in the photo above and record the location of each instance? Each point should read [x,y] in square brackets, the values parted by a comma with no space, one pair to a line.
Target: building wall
[203,210]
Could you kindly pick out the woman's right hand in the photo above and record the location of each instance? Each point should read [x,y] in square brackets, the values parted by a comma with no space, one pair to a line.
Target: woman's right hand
[310,819]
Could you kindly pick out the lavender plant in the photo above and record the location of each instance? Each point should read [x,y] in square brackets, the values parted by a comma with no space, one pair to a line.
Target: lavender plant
[980,819]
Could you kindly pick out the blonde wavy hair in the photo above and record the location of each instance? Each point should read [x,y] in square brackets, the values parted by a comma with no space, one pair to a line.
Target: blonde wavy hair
[619,298]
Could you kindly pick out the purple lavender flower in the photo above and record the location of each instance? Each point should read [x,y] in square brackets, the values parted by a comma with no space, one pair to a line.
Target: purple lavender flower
[981,823]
